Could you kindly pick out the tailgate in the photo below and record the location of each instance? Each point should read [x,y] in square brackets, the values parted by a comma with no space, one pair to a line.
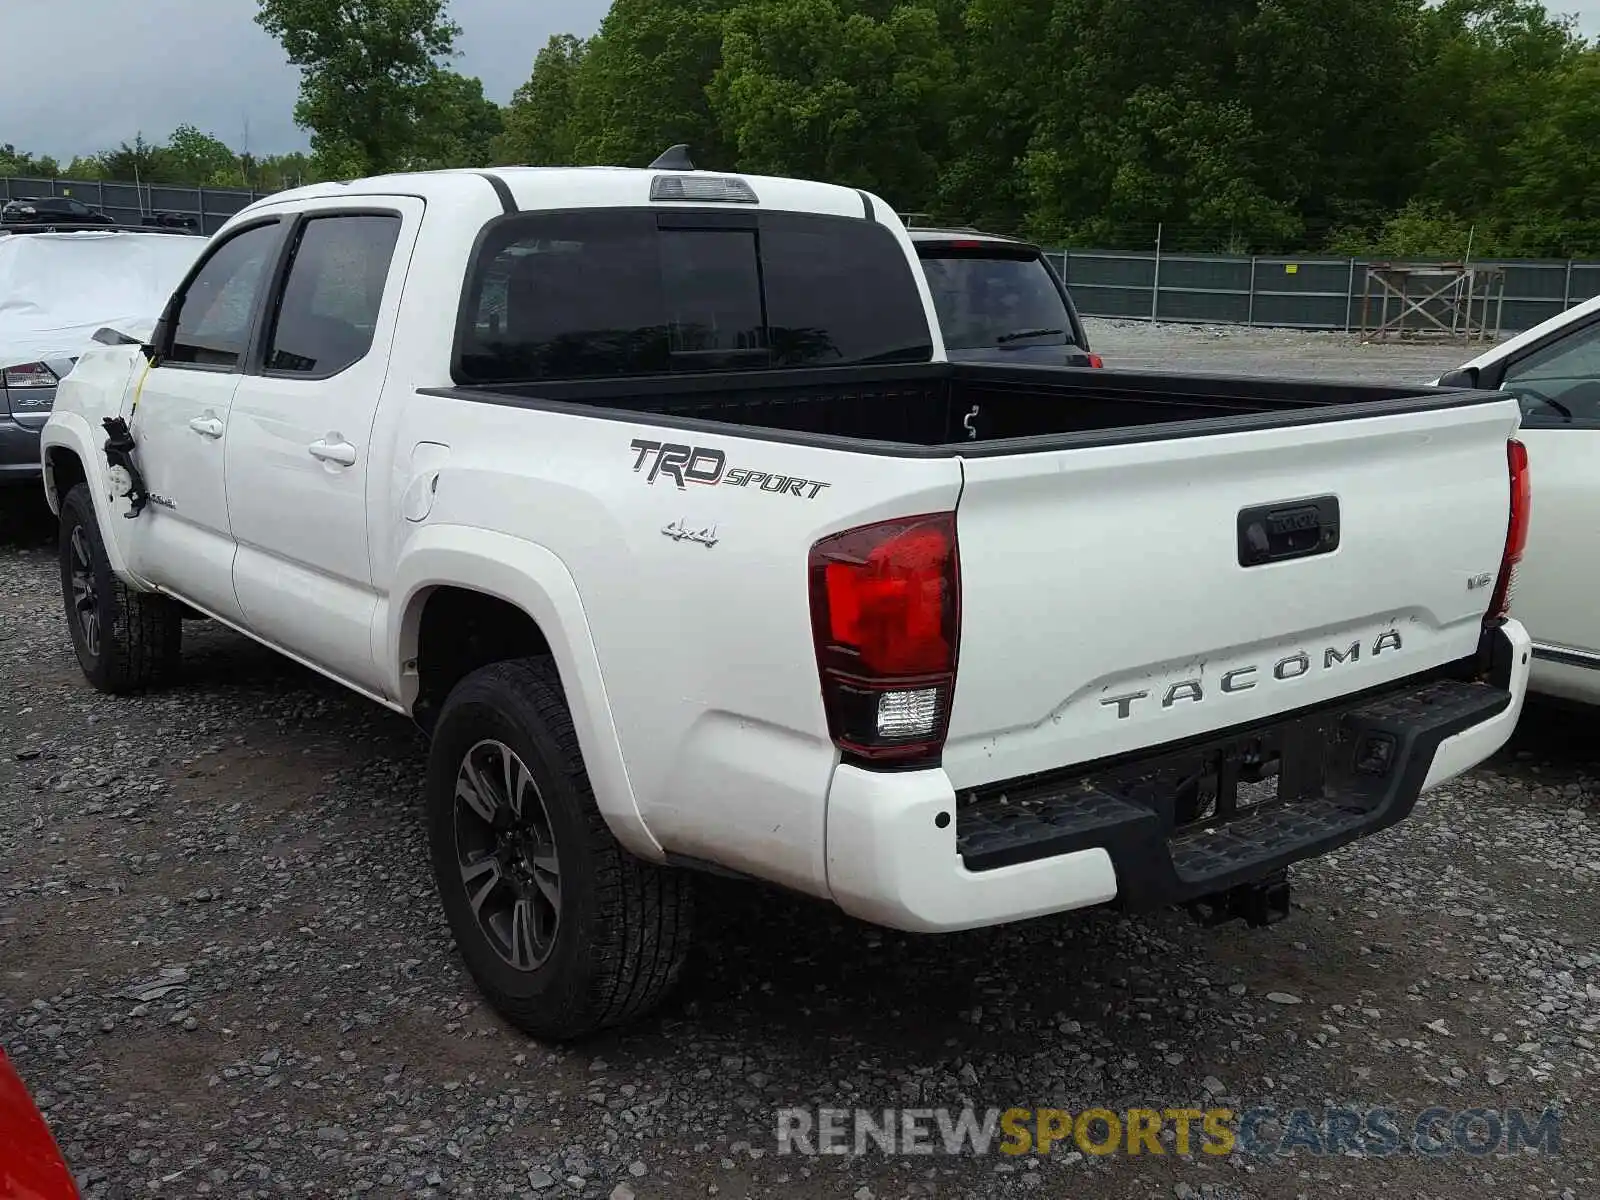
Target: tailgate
[1104,607]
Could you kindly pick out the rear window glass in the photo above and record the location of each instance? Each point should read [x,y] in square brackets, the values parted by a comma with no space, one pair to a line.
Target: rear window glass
[989,301]
[636,292]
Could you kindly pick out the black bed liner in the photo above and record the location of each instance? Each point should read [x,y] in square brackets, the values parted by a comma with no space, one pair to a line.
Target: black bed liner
[967,408]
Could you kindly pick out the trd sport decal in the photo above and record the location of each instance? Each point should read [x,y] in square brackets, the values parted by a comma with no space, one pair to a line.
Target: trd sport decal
[701,464]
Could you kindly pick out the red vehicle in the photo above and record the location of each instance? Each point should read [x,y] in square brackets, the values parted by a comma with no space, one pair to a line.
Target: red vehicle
[31,1166]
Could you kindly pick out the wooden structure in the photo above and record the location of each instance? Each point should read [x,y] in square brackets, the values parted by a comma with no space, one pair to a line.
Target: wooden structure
[1456,301]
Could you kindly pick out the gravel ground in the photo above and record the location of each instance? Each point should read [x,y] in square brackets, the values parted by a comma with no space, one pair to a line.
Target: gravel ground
[223,970]
[1288,353]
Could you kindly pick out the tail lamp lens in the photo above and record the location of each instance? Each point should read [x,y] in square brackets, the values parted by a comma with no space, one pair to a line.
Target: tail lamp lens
[30,375]
[1516,530]
[885,618]
[27,388]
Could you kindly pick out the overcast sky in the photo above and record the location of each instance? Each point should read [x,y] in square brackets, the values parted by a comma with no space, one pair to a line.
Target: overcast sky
[149,67]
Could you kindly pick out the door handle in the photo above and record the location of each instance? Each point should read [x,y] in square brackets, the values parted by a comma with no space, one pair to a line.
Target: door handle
[1290,529]
[340,452]
[207,427]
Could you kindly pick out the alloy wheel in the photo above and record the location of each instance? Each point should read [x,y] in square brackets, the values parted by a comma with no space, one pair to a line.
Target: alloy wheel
[506,852]
[85,596]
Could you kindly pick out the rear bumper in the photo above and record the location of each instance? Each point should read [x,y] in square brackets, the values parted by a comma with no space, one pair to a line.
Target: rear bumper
[905,852]
[1512,649]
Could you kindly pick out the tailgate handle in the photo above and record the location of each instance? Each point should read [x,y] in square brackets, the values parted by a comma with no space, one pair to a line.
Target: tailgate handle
[1288,529]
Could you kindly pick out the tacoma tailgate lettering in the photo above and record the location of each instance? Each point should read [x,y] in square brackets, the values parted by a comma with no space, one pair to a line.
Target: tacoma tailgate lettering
[1290,667]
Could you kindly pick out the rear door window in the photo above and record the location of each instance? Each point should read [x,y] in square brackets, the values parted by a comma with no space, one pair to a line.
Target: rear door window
[328,310]
[989,300]
[641,291]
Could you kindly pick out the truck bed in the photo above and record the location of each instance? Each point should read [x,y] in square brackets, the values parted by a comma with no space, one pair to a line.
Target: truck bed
[1144,559]
[972,409]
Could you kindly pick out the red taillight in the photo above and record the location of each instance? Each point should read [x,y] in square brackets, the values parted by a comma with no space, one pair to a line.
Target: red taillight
[1516,530]
[30,375]
[1096,361]
[886,618]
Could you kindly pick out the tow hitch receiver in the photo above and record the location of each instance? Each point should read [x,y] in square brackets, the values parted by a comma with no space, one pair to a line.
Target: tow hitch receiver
[1263,902]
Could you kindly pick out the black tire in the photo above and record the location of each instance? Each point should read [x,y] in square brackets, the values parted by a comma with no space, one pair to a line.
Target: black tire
[622,930]
[127,641]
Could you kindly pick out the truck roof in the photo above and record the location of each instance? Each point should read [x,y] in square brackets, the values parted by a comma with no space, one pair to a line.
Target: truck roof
[544,188]
[925,235]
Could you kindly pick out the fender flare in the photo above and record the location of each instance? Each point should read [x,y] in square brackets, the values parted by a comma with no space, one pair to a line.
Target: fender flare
[535,580]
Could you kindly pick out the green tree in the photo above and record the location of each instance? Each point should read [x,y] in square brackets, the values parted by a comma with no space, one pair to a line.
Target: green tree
[642,84]
[84,166]
[200,158]
[1334,135]
[999,86]
[1405,125]
[457,125]
[825,89]
[1422,229]
[1236,121]
[1551,201]
[1487,69]
[369,75]
[14,162]
[541,120]
[140,161]
[278,171]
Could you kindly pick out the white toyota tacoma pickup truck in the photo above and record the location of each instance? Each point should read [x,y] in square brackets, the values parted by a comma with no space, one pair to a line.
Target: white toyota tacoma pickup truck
[652,497]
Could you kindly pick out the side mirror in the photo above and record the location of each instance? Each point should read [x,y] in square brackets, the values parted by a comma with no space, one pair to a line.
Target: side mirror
[158,336]
[1461,377]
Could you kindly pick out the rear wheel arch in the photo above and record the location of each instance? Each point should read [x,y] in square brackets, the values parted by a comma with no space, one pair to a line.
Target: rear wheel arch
[449,571]
[456,631]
